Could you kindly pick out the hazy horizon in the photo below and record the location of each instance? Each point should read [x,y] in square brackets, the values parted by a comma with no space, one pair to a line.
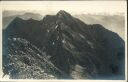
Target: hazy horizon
[115,23]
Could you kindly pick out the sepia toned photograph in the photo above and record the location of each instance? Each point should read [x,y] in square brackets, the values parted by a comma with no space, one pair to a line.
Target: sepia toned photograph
[61,40]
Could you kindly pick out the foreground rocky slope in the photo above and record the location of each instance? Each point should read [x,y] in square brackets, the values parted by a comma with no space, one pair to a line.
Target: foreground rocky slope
[24,60]
[74,49]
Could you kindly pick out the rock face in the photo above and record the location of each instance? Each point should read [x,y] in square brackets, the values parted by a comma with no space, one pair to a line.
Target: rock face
[72,49]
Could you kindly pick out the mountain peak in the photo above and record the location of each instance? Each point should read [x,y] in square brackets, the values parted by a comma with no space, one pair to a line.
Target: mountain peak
[62,13]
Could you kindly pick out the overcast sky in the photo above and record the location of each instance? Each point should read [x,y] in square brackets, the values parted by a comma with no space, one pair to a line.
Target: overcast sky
[74,7]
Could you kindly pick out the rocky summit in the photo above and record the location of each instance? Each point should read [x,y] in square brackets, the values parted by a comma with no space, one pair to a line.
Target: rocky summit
[61,47]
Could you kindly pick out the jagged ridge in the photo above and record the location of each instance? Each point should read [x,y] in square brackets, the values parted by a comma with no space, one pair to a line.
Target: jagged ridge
[79,50]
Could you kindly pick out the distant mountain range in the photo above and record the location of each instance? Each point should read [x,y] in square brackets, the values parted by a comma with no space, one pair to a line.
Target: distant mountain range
[8,17]
[73,49]
[115,23]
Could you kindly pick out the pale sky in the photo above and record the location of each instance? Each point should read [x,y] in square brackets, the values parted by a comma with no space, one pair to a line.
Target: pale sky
[74,7]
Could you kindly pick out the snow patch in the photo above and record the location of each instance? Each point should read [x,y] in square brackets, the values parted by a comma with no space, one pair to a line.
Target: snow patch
[63,41]
[91,44]
[56,26]
[53,43]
